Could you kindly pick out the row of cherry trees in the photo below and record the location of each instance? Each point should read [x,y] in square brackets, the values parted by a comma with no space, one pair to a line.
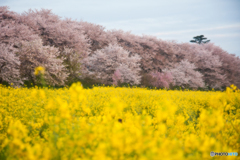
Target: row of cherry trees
[75,50]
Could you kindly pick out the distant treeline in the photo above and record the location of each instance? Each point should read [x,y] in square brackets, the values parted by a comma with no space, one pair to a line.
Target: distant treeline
[73,51]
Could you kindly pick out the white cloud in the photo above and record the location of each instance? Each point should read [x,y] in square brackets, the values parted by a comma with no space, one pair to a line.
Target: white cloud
[224,35]
[197,30]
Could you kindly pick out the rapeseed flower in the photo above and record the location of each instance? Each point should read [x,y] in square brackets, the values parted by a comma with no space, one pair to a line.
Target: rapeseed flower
[39,70]
[78,123]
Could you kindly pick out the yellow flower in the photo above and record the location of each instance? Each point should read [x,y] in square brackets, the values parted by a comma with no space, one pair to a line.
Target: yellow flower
[40,70]
[78,123]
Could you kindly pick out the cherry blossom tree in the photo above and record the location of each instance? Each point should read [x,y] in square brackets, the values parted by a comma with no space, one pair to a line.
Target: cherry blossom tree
[73,64]
[130,70]
[185,75]
[57,32]
[9,66]
[207,64]
[61,34]
[12,29]
[12,32]
[230,64]
[155,54]
[103,63]
[84,48]
[34,54]
[117,77]
[161,79]
[98,37]
[143,46]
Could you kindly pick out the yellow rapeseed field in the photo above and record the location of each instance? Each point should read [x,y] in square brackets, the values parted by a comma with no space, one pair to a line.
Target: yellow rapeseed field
[106,123]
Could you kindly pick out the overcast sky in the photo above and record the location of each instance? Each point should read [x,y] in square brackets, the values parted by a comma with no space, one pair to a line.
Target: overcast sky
[180,20]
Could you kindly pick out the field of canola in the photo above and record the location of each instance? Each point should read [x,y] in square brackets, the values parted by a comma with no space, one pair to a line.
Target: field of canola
[106,123]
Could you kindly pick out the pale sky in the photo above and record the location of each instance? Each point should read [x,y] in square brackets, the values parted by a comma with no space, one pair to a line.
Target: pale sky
[180,20]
